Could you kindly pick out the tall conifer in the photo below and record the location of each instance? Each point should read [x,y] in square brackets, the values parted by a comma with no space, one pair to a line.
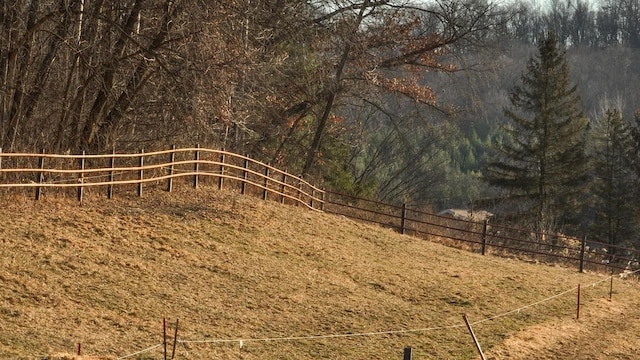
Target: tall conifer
[541,162]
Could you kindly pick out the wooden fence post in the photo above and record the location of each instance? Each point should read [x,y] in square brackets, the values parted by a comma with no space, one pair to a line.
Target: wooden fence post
[0,160]
[112,162]
[299,191]
[473,336]
[140,172]
[484,236]
[313,194]
[196,166]
[408,353]
[322,197]
[403,219]
[266,182]
[282,187]
[221,178]
[81,178]
[172,159]
[582,250]
[243,185]
[40,177]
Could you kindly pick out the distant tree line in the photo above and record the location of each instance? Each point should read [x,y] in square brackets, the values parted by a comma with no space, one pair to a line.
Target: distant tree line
[593,23]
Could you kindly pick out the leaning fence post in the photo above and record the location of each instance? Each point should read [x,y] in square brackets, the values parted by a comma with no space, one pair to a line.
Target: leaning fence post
[81,178]
[196,166]
[408,353]
[40,177]
[172,159]
[473,336]
[403,218]
[112,162]
[140,172]
[582,249]
[484,236]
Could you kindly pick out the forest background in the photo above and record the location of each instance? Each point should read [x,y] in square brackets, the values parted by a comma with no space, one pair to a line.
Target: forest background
[395,100]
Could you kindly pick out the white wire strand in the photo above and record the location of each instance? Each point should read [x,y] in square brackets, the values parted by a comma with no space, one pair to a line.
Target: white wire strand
[392,332]
[140,352]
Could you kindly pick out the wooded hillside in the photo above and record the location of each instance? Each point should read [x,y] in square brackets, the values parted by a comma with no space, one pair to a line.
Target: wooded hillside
[388,99]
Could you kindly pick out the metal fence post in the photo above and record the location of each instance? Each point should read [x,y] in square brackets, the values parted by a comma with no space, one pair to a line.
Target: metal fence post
[408,353]
[40,178]
[582,249]
[484,237]
[403,219]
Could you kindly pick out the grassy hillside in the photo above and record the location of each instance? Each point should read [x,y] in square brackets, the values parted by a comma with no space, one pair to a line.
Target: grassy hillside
[106,273]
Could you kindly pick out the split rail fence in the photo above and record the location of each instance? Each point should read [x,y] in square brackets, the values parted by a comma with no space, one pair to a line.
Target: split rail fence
[133,172]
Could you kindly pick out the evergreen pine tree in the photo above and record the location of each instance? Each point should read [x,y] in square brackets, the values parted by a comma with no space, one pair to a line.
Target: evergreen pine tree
[541,162]
[613,180]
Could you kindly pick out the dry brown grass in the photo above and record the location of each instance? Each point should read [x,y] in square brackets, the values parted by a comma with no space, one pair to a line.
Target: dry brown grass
[106,273]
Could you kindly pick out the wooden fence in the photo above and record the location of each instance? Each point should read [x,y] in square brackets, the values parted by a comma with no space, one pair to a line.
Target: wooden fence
[159,168]
[132,172]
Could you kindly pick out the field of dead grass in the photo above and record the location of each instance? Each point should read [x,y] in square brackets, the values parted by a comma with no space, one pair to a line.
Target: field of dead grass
[106,273]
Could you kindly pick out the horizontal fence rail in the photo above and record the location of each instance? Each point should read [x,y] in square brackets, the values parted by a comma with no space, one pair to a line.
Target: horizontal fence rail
[483,237]
[57,172]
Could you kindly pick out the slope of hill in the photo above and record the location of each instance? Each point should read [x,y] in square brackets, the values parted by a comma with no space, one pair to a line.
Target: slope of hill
[106,273]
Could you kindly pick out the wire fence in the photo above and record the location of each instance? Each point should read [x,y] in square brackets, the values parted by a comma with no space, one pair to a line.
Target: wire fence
[240,342]
[487,238]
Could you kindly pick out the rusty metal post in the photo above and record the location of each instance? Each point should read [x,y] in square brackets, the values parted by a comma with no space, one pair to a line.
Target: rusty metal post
[578,305]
